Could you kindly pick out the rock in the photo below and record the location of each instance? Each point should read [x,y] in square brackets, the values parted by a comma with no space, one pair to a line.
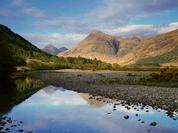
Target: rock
[20,130]
[1,128]
[153,124]
[126,117]
[114,109]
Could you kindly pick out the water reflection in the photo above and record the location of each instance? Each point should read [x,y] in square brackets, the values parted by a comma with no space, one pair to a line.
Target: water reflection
[55,110]
[16,90]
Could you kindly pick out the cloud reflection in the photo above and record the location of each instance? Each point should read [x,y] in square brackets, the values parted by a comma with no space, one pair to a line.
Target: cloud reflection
[54,96]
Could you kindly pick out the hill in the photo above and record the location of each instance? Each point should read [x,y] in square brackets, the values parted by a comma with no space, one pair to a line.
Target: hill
[97,45]
[20,49]
[15,51]
[52,50]
[62,49]
[157,50]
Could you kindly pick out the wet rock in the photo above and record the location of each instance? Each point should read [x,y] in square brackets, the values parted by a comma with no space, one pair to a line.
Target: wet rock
[175,119]
[1,128]
[9,120]
[20,130]
[4,117]
[7,129]
[90,97]
[126,117]
[2,123]
[153,124]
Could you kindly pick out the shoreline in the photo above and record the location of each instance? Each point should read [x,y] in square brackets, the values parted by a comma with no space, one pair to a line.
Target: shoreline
[99,84]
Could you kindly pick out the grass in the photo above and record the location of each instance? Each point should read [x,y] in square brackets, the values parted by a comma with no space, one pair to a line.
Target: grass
[164,58]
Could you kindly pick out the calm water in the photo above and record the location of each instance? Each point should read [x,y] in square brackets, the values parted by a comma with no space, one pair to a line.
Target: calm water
[56,110]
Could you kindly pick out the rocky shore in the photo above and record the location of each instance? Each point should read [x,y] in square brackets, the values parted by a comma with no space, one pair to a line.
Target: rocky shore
[115,85]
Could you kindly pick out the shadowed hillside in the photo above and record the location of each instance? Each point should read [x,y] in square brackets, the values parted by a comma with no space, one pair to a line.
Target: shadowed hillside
[52,50]
[26,56]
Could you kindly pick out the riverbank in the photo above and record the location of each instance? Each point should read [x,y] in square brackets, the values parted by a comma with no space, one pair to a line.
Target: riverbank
[111,84]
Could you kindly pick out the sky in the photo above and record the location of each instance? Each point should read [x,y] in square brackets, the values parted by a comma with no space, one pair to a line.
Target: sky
[67,22]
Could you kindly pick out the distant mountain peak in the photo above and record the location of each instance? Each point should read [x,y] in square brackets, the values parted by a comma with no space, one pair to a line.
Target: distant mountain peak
[51,49]
[49,45]
[62,49]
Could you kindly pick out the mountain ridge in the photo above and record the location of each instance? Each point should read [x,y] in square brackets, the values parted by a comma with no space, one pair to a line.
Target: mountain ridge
[52,50]
[128,51]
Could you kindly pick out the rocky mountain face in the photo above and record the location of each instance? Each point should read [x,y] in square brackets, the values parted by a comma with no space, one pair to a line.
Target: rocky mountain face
[62,49]
[52,50]
[160,49]
[97,45]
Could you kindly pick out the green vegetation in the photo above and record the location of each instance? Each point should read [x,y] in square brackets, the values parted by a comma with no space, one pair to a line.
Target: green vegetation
[170,56]
[16,91]
[69,63]
[17,52]
[166,74]
[167,77]
[7,63]
[29,57]
[151,67]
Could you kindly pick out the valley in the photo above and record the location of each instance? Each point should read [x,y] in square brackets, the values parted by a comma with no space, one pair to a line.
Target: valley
[102,71]
[88,66]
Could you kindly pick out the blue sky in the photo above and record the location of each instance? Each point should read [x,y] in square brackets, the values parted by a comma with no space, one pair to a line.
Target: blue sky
[66,22]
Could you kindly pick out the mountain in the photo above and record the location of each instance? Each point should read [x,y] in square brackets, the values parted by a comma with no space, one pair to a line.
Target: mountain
[103,47]
[22,52]
[157,50]
[50,49]
[19,46]
[17,52]
[97,45]
[160,49]
[62,49]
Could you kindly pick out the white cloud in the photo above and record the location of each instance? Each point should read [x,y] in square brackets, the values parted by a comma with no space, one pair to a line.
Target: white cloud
[142,30]
[71,39]
[110,14]
[170,27]
[56,39]
[58,98]
[127,9]
[130,30]
[34,12]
